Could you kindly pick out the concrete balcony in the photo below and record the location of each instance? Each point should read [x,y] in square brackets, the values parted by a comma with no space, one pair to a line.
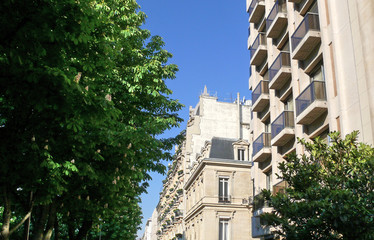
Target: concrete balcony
[303,6]
[256,10]
[258,50]
[282,128]
[276,20]
[311,103]
[306,37]
[260,96]
[262,147]
[258,230]
[280,71]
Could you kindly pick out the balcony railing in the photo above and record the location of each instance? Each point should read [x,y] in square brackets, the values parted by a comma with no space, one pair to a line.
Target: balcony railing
[283,60]
[224,199]
[284,120]
[315,91]
[263,141]
[258,50]
[262,88]
[310,22]
[270,20]
[254,9]
[260,40]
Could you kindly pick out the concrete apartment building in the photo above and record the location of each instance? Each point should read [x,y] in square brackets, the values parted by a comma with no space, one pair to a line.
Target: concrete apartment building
[206,192]
[311,73]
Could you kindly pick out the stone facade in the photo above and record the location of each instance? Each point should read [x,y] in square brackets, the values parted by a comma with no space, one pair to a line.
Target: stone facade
[206,190]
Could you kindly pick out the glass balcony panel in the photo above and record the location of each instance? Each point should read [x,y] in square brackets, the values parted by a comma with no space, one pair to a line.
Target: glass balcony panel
[278,75]
[262,88]
[300,37]
[284,120]
[260,40]
[263,141]
[315,91]
[258,49]
[275,21]
[256,10]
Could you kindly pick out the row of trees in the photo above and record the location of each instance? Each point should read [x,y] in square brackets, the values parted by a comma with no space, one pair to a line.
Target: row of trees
[83,101]
[330,193]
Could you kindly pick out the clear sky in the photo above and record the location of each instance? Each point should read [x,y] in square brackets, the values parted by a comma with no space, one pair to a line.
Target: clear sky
[208,40]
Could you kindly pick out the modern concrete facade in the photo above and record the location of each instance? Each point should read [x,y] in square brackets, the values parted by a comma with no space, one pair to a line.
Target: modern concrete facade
[311,73]
[206,192]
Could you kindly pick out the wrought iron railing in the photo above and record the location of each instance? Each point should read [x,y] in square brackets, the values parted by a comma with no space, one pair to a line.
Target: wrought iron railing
[315,91]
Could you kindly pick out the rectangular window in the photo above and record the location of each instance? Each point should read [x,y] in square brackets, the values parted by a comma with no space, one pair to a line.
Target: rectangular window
[223,229]
[224,190]
[269,180]
[241,154]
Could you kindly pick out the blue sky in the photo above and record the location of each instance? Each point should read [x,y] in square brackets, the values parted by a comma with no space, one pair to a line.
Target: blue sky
[208,40]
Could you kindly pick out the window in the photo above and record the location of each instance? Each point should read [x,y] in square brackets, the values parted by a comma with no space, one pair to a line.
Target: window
[241,154]
[269,180]
[224,189]
[288,105]
[223,229]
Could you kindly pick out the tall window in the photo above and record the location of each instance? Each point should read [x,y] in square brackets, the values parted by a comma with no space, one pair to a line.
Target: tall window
[269,180]
[241,154]
[224,189]
[223,229]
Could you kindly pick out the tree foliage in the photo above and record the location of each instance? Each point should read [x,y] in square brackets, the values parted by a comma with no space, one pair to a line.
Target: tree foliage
[330,193]
[83,101]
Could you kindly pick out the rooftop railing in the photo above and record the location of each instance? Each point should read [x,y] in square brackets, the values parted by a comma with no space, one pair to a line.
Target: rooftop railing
[262,141]
[315,91]
[261,88]
[284,120]
[310,22]
[282,60]
[260,40]
[277,8]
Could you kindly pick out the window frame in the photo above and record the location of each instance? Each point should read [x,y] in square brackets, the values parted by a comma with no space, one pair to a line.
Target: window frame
[224,194]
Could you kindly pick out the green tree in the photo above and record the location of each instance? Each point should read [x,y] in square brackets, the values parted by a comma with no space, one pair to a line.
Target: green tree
[83,101]
[330,193]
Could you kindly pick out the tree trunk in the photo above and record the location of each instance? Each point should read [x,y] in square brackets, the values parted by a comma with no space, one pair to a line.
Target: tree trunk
[51,222]
[57,230]
[5,233]
[26,232]
[40,224]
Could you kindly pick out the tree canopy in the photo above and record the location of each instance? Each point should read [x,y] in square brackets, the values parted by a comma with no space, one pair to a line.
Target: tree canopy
[83,101]
[330,193]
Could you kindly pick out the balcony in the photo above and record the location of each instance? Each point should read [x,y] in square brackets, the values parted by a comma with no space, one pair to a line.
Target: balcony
[260,96]
[282,128]
[311,103]
[306,37]
[303,6]
[276,20]
[258,50]
[262,147]
[257,229]
[280,71]
[256,10]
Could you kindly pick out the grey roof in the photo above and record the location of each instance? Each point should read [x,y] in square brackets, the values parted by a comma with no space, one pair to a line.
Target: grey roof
[222,148]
